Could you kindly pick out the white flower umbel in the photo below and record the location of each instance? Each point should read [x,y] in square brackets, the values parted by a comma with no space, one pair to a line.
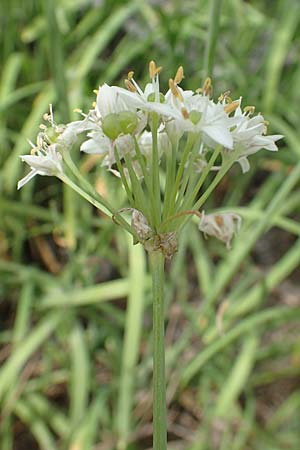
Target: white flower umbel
[43,162]
[249,136]
[222,226]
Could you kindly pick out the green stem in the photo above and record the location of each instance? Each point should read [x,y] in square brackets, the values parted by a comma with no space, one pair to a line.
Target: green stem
[171,160]
[90,190]
[214,20]
[189,145]
[84,181]
[155,172]
[159,384]
[213,184]
[148,181]
[187,177]
[190,197]
[93,201]
[123,179]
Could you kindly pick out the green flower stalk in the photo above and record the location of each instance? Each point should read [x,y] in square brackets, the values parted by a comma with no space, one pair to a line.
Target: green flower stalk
[162,147]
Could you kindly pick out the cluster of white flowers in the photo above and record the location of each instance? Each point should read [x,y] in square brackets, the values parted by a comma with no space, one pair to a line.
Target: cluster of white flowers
[118,125]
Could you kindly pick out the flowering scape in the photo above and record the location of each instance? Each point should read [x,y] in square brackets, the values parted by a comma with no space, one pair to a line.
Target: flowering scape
[138,131]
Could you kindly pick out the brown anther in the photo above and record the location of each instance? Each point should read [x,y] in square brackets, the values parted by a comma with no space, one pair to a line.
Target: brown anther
[179,75]
[249,109]
[207,87]
[174,90]
[184,113]
[130,75]
[232,106]
[130,86]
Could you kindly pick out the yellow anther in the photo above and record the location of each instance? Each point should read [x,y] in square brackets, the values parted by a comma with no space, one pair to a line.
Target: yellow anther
[207,86]
[130,75]
[153,69]
[42,127]
[249,109]
[225,96]
[266,123]
[130,86]
[179,75]
[232,106]
[96,91]
[77,110]
[184,113]
[34,150]
[175,91]
[94,104]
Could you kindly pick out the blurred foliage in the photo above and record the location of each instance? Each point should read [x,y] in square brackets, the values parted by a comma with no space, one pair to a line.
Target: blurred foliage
[76,313]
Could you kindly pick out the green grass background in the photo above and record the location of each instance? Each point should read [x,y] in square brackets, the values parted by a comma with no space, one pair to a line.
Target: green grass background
[75,324]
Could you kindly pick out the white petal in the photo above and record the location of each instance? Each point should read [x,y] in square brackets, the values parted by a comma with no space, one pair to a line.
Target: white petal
[244,163]
[27,178]
[220,135]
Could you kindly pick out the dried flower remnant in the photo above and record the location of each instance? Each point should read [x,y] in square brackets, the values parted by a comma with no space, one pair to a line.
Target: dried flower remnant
[222,226]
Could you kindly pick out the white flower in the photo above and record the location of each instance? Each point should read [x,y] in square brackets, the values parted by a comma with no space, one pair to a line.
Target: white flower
[70,133]
[97,143]
[43,162]
[109,101]
[197,113]
[100,144]
[249,137]
[222,226]
[150,100]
